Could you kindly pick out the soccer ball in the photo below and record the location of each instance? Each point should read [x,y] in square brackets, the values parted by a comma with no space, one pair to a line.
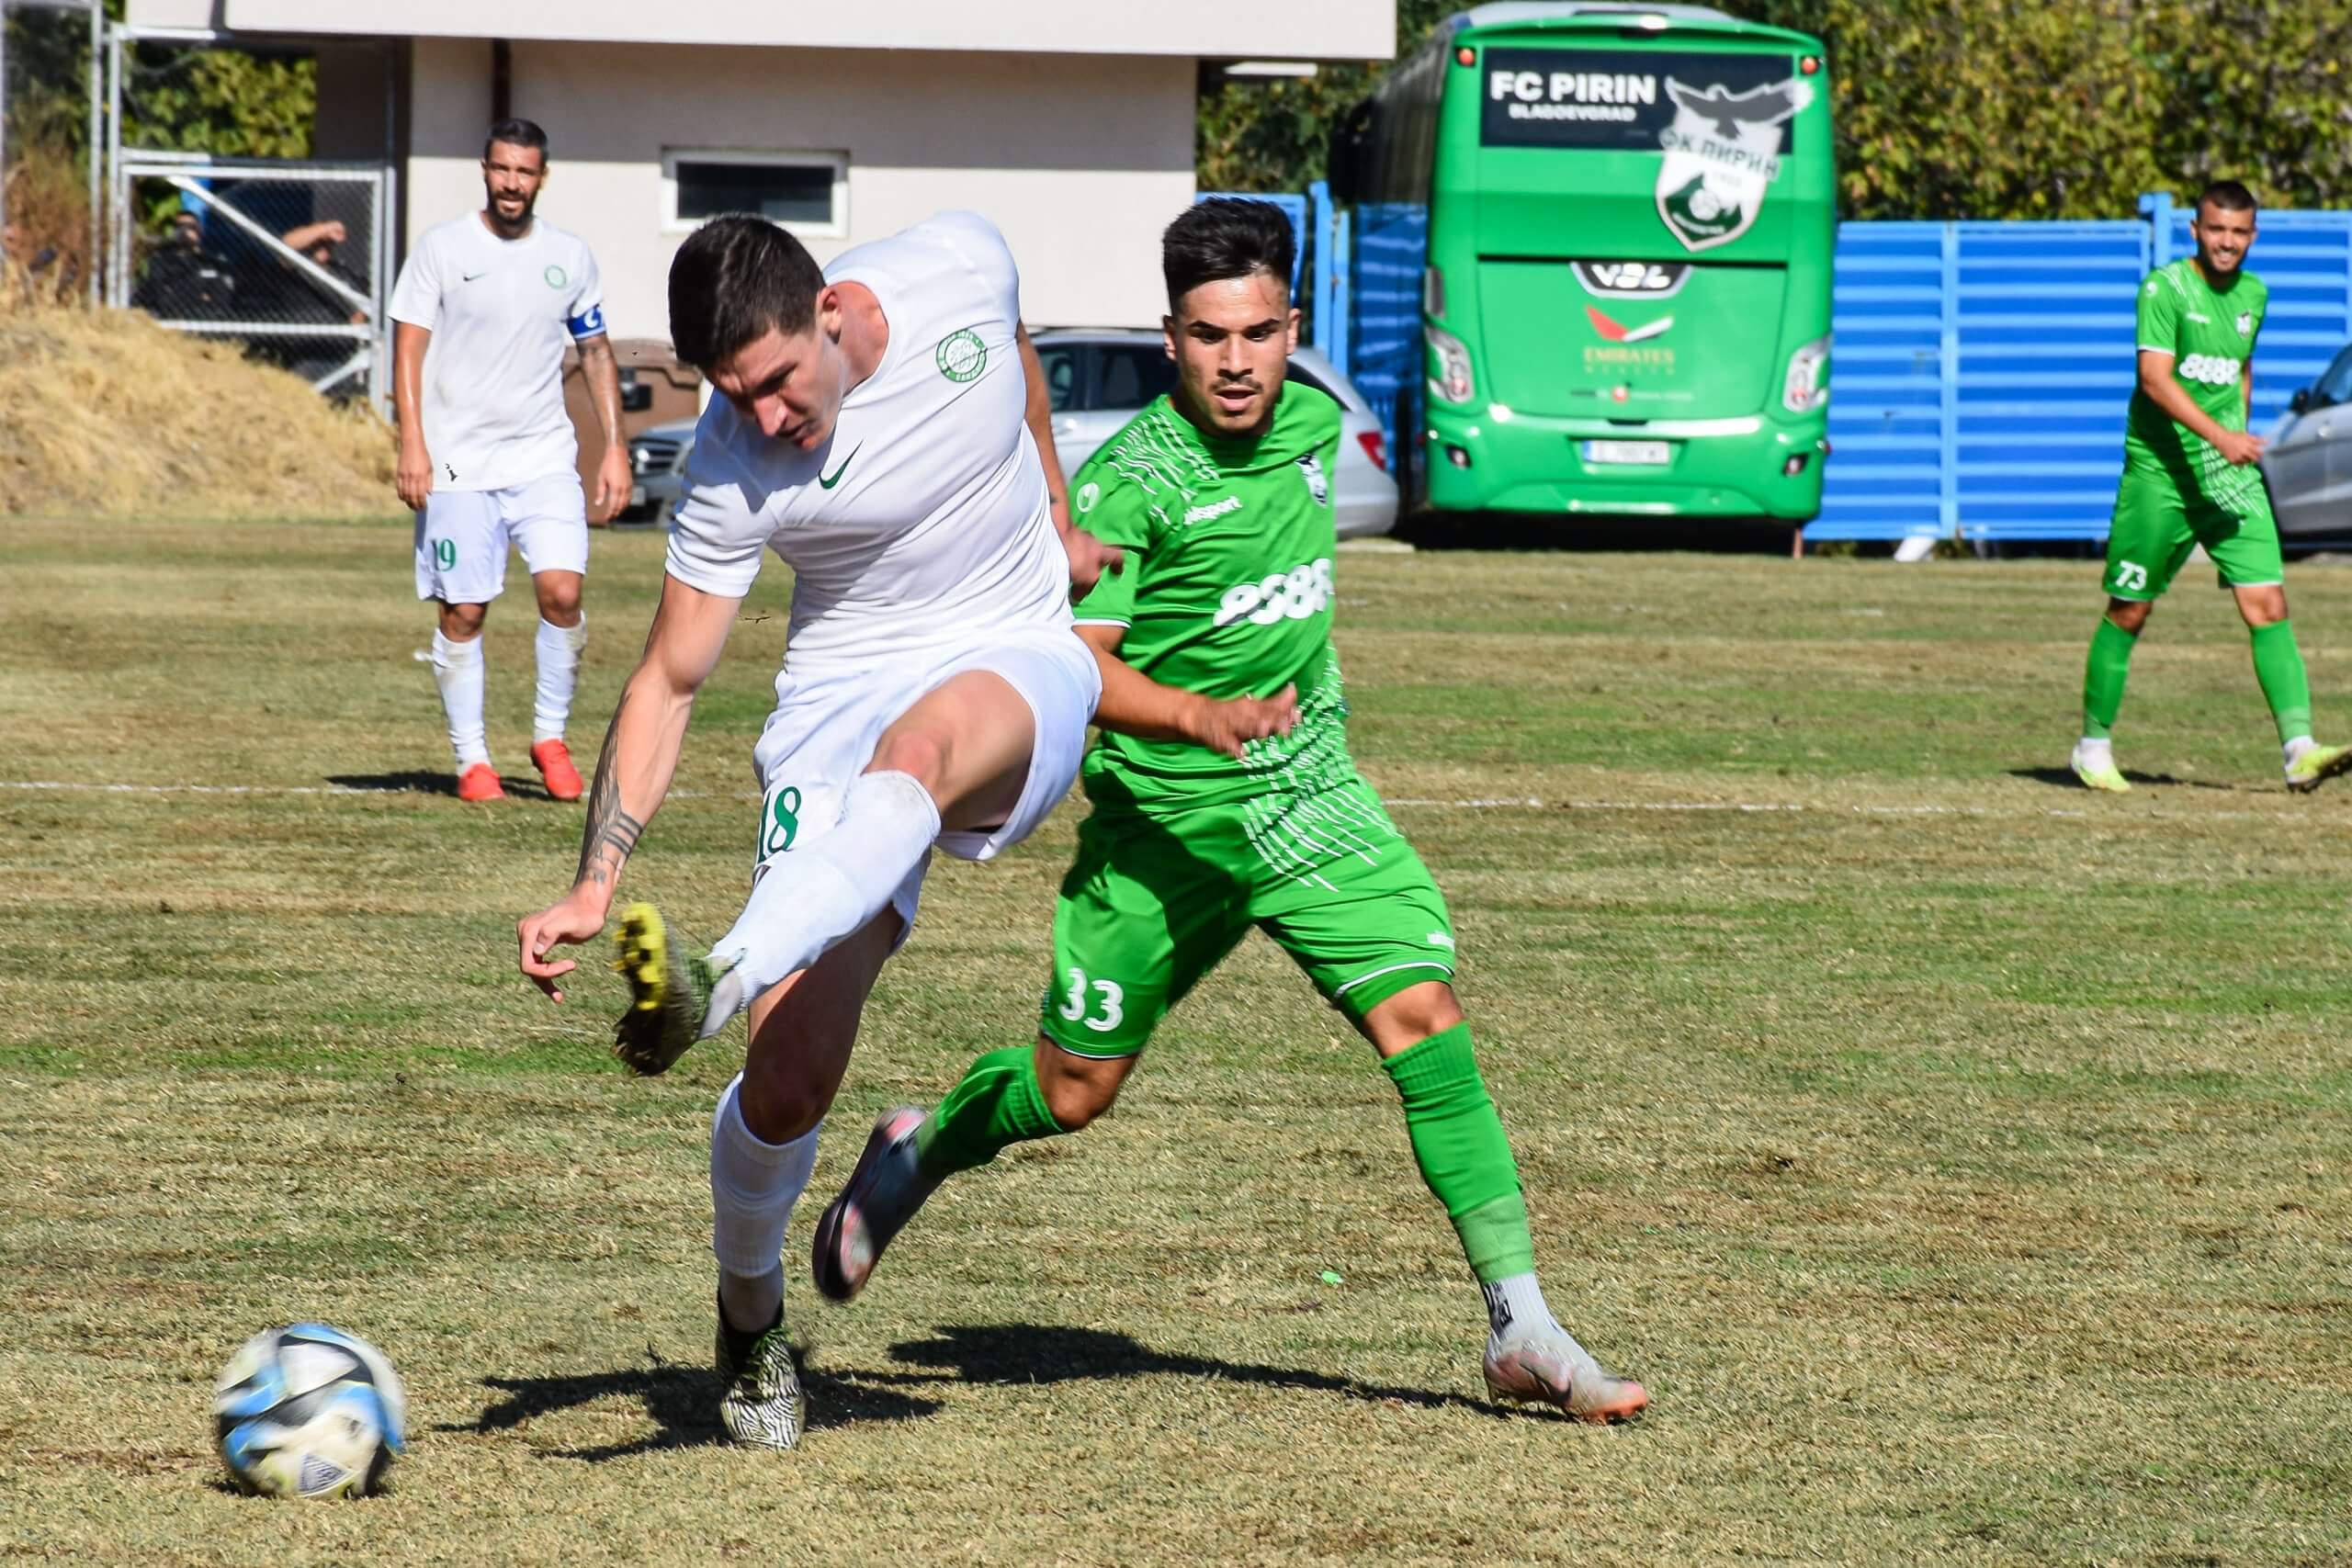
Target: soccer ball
[308,1411]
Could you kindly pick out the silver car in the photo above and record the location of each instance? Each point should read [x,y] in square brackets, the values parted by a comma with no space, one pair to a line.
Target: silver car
[2308,462]
[1098,379]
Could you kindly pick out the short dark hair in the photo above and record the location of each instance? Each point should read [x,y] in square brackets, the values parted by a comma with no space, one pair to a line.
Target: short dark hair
[516,133]
[735,278]
[1224,237]
[2228,196]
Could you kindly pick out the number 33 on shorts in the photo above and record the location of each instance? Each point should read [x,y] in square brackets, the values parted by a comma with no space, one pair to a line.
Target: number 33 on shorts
[1107,994]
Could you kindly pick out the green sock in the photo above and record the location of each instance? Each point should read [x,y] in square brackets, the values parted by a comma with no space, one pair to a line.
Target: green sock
[1458,1141]
[998,1103]
[2109,666]
[2278,665]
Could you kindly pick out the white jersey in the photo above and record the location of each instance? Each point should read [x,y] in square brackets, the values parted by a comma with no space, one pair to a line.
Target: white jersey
[923,522]
[500,312]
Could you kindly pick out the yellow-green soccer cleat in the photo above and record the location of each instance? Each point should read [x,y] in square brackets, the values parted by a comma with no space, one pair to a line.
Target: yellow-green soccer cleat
[2316,766]
[2098,773]
[669,996]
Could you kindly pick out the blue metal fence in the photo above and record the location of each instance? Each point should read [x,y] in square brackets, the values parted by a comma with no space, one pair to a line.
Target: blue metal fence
[1982,369]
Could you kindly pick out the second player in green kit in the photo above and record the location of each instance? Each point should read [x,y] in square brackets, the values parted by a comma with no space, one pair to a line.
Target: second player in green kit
[1225,798]
[2190,479]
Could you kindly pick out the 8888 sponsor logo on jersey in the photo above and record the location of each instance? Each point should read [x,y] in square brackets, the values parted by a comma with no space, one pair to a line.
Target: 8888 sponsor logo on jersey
[1301,592]
[2211,370]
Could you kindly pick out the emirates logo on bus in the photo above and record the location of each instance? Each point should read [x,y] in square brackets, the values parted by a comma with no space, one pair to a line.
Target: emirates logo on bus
[1617,332]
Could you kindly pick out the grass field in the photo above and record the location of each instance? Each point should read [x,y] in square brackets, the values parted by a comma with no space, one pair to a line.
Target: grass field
[1964,1161]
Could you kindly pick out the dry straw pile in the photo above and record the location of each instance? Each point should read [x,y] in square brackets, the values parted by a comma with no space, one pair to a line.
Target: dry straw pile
[106,415]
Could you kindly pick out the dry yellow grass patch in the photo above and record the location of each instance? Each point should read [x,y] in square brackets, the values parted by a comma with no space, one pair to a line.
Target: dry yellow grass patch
[109,415]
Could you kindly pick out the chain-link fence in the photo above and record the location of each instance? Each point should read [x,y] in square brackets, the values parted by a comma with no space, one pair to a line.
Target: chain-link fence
[288,259]
[49,108]
[219,221]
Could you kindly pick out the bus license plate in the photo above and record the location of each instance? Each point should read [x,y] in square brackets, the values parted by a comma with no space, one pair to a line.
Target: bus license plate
[1655,453]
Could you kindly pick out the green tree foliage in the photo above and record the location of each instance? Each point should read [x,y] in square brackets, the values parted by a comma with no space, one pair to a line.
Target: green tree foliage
[1972,108]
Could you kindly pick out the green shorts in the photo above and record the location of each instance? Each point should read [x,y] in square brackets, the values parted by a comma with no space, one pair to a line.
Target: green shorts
[1153,903]
[2159,519]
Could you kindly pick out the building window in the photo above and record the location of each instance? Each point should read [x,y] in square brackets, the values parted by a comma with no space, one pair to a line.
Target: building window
[806,192]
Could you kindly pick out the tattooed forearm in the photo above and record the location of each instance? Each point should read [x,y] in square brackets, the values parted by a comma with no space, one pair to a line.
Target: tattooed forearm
[611,833]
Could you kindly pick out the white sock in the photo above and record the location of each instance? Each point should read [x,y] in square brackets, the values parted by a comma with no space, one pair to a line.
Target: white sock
[753,1185]
[458,670]
[1515,1308]
[559,649]
[2096,748]
[812,897]
[2296,748]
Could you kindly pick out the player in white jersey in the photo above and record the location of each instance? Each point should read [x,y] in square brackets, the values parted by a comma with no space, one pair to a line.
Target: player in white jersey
[884,428]
[485,307]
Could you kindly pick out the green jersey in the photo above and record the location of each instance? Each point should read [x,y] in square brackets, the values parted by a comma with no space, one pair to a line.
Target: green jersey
[1227,591]
[2211,336]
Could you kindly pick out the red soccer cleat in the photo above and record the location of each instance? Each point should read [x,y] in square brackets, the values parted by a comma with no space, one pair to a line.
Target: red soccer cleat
[479,783]
[553,758]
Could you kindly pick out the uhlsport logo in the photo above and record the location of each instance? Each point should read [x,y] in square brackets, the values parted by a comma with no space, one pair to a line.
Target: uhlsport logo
[962,355]
[1721,156]
[554,277]
[1209,509]
[1088,495]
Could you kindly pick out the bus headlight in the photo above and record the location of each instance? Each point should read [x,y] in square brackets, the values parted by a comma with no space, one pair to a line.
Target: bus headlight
[1452,380]
[1807,387]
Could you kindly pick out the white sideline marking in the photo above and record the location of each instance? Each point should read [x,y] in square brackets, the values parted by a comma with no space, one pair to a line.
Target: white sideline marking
[1492,803]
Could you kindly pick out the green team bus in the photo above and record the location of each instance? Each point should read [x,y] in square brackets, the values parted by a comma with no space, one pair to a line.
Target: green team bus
[1592,262]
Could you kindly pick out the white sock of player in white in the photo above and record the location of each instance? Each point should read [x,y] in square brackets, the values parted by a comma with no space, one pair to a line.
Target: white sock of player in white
[458,670]
[753,1185]
[558,649]
[811,898]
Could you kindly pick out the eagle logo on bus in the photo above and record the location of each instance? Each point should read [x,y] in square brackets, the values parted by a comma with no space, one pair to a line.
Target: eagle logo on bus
[1722,152]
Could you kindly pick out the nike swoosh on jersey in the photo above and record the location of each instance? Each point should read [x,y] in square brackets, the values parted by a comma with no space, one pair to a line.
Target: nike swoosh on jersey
[469,276]
[828,482]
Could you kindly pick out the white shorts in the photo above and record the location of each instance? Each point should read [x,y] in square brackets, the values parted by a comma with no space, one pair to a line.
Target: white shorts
[461,537]
[826,726]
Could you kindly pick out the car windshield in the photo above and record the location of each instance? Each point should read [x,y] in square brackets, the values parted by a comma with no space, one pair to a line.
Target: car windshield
[1133,373]
[2335,386]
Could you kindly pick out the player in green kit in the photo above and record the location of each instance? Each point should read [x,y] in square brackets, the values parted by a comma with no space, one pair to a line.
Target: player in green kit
[2190,479]
[1225,798]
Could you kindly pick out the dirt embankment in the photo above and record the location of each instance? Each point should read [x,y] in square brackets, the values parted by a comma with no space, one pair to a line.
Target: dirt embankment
[105,415]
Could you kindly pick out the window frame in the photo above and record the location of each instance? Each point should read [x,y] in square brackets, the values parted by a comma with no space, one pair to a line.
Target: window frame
[836,161]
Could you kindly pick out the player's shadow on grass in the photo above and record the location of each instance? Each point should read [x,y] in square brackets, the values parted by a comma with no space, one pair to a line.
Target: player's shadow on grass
[419,780]
[1028,1353]
[2063,778]
[681,1401]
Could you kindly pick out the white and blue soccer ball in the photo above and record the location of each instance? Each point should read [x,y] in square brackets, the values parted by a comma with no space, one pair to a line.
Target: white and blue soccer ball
[308,1411]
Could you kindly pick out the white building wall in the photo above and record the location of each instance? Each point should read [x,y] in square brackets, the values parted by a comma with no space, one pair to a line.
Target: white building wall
[1081,159]
[1309,29]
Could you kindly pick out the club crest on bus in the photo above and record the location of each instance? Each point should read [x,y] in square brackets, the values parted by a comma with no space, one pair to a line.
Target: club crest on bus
[1722,157]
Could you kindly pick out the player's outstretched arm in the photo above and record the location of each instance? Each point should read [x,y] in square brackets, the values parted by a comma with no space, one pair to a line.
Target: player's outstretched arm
[1090,558]
[413,478]
[633,773]
[1134,704]
[603,373]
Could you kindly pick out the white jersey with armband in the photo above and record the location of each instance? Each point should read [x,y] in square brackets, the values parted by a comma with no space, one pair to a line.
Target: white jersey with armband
[501,313]
[923,523]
